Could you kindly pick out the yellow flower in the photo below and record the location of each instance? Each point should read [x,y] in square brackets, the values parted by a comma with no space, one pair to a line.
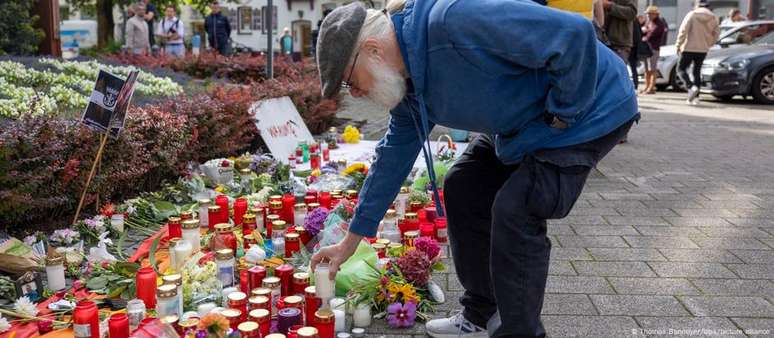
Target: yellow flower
[406,291]
[351,135]
[316,172]
[353,168]
[220,188]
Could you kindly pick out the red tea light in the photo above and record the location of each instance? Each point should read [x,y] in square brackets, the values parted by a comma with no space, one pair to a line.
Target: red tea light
[240,208]
[175,227]
[300,282]
[381,249]
[233,316]
[441,234]
[285,274]
[258,302]
[263,318]
[303,234]
[431,213]
[427,229]
[311,304]
[255,276]
[238,300]
[292,244]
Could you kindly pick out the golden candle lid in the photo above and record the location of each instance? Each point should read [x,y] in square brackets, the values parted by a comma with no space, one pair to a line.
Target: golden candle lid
[384,241]
[236,296]
[191,223]
[247,327]
[415,203]
[391,213]
[231,313]
[379,246]
[324,315]
[262,291]
[257,209]
[54,259]
[350,193]
[411,215]
[166,290]
[312,206]
[411,234]
[213,208]
[275,197]
[278,225]
[275,204]
[224,254]
[271,282]
[300,229]
[258,299]
[395,245]
[307,332]
[259,314]
[173,220]
[173,241]
[404,190]
[301,276]
[292,237]
[203,201]
[222,227]
[173,279]
[336,192]
[310,290]
[293,300]
[271,218]
[189,323]
[245,171]
[249,218]
[299,206]
[275,335]
[171,319]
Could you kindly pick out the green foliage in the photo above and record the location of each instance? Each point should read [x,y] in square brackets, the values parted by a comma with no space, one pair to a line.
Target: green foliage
[112,48]
[18,35]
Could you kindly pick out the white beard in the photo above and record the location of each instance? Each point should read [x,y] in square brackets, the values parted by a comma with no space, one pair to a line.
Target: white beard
[389,86]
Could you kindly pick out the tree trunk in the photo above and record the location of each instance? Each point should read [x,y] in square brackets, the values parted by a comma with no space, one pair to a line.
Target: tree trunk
[105,23]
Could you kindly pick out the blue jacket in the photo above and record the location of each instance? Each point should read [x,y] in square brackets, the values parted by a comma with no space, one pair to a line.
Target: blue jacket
[495,67]
[218,30]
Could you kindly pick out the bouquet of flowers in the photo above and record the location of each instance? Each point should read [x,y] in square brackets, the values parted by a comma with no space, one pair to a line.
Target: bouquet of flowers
[200,282]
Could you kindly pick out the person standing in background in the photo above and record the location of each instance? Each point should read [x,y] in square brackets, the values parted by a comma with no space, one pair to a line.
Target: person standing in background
[734,15]
[698,32]
[619,15]
[218,29]
[137,31]
[172,31]
[286,42]
[635,56]
[150,19]
[655,36]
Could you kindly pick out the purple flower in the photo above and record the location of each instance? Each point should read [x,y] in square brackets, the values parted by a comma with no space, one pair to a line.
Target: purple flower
[315,221]
[201,334]
[401,315]
[427,245]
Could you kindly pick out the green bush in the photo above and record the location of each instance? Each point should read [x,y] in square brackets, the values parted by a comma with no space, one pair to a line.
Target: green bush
[18,36]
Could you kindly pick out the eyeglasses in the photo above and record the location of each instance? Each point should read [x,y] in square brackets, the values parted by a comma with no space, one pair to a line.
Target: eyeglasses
[348,84]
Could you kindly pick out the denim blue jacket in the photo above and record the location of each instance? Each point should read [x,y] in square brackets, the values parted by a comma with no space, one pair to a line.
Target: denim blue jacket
[494,67]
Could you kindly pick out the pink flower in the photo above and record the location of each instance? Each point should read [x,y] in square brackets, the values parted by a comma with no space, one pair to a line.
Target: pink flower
[399,315]
[427,245]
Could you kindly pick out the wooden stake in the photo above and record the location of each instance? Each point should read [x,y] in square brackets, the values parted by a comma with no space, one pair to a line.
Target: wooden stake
[91,175]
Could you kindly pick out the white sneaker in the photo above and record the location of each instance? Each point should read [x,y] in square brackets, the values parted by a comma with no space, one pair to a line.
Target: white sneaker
[454,326]
[693,93]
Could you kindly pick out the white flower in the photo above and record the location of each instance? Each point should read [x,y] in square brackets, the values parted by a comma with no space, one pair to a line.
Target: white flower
[25,306]
[130,210]
[4,325]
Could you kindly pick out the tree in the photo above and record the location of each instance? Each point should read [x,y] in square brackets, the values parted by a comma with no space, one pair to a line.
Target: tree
[17,32]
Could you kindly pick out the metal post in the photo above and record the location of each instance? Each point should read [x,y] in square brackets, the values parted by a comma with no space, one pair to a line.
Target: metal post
[270,41]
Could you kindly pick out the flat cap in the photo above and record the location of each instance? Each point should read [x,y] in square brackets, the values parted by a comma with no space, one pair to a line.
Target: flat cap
[335,44]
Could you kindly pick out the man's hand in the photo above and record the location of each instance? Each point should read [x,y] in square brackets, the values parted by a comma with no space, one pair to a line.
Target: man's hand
[337,254]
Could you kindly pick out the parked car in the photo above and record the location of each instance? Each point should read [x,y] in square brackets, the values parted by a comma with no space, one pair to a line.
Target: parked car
[731,36]
[746,71]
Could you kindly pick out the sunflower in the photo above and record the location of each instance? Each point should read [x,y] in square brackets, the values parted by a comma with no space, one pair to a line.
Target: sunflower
[404,291]
[355,167]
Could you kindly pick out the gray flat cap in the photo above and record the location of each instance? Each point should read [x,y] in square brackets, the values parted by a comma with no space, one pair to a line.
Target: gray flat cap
[335,44]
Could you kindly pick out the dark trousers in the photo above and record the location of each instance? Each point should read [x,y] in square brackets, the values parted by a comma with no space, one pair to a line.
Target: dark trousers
[688,59]
[497,227]
[635,75]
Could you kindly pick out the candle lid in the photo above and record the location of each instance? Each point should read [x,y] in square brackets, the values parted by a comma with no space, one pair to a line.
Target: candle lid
[171,319]
[278,225]
[271,282]
[404,190]
[359,331]
[223,227]
[247,327]
[275,204]
[310,291]
[224,254]
[231,313]
[213,208]
[245,171]
[256,209]
[275,197]
[289,312]
[262,291]
[173,220]
[258,300]
[173,242]
[191,223]
[324,315]
[293,300]
[378,246]
[391,213]
[259,314]
[415,203]
[189,323]
[313,206]
[248,218]
[336,192]
[300,229]
[166,290]
[411,234]
[411,215]
[236,296]
[272,218]
[54,260]
[384,241]
[292,237]
[173,279]
[301,276]
[350,193]
[395,245]
[343,335]
[300,206]
[275,335]
[307,332]
[204,201]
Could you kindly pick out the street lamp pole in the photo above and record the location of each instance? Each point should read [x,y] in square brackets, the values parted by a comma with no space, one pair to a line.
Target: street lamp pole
[270,41]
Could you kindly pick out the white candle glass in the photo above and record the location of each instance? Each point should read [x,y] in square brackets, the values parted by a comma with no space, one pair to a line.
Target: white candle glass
[323,284]
[340,324]
[205,308]
[362,315]
[183,250]
[117,222]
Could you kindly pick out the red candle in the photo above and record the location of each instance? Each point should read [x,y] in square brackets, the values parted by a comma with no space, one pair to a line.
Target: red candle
[288,203]
[240,207]
[118,326]
[325,199]
[213,217]
[314,160]
[255,275]
[311,304]
[430,214]
[285,274]
[309,199]
[222,202]
[292,244]
[146,287]
[244,283]
[440,230]
[248,224]
[175,227]
[324,322]
[86,319]
[326,153]
[300,282]
[263,318]
[427,229]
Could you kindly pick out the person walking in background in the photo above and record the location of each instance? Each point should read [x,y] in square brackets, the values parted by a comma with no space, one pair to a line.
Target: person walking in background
[655,33]
[172,32]
[218,29]
[286,42]
[698,32]
[619,15]
[150,19]
[734,15]
[636,53]
[137,41]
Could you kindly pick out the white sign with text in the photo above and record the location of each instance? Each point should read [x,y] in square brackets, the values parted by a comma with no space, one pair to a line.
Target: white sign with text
[281,126]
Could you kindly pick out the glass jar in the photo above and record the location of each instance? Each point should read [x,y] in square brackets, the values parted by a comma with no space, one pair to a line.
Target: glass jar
[390,229]
[292,244]
[248,223]
[225,238]
[311,304]
[224,259]
[314,161]
[307,332]
[249,330]
[300,283]
[409,237]
[358,332]
[213,213]
[299,214]
[270,219]
[135,310]
[233,316]
[332,138]
[278,237]
[238,300]
[167,303]
[263,318]
[55,272]
[176,280]
[175,228]
[260,218]
[401,201]
[324,323]
[259,302]
[362,315]
[324,286]
[204,205]
[326,152]
[145,281]
[288,201]
[117,222]
[274,284]
[192,234]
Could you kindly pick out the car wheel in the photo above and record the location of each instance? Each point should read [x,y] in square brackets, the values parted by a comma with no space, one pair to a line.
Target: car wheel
[724,98]
[677,83]
[763,86]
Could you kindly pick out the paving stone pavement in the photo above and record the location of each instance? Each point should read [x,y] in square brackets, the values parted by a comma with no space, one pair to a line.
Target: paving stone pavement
[675,230]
